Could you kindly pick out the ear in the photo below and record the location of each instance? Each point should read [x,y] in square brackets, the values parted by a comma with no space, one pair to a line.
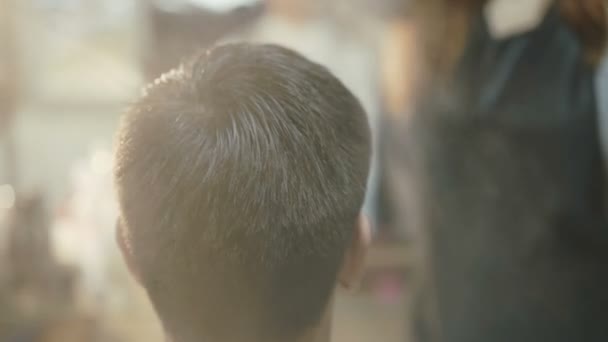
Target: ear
[122,239]
[356,255]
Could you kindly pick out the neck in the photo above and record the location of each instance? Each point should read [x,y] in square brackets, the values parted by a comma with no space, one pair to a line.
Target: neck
[317,337]
[321,333]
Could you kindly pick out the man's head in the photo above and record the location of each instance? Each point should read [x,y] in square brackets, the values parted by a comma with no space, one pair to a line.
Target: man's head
[240,179]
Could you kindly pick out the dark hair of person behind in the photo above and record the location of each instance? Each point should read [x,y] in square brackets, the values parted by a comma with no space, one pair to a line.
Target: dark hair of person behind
[445,25]
[240,179]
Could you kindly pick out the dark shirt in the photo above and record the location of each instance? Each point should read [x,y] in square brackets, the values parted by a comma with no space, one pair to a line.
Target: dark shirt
[507,162]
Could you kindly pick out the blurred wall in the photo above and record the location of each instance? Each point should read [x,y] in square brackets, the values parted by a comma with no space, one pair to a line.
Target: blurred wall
[50,141]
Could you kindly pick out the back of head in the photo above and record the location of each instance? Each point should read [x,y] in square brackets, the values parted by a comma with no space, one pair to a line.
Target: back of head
[240,178]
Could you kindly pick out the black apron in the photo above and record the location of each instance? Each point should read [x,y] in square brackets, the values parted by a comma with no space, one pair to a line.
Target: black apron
[507,168]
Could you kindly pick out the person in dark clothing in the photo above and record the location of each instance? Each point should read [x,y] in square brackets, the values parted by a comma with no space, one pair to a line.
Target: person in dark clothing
[241,178]
[507,168]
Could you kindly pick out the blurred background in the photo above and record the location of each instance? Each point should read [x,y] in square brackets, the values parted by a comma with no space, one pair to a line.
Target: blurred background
[490,127]
[67,70]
